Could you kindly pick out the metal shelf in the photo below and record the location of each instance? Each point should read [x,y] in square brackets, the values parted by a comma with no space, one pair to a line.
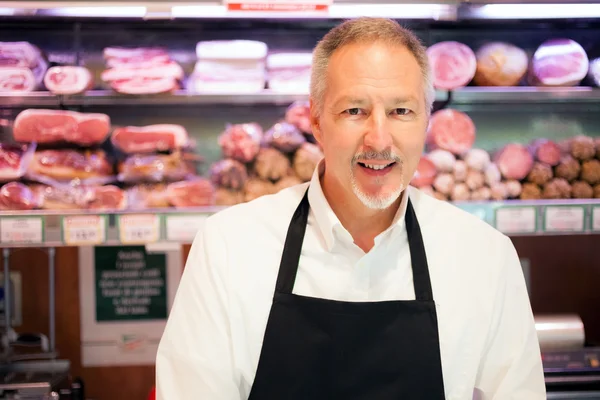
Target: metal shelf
[75,228]
[469,95]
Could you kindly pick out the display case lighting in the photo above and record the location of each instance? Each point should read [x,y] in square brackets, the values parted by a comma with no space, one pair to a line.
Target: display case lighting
[534,11]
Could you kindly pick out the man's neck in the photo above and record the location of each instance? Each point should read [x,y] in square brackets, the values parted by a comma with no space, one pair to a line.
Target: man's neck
[363,223]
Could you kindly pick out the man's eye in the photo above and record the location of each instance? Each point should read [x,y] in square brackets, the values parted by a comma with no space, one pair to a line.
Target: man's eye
[402,111]
[353,111]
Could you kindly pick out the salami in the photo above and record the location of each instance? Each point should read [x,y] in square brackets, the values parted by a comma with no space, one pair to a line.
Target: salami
[451,130]
[453,64]
[514,161]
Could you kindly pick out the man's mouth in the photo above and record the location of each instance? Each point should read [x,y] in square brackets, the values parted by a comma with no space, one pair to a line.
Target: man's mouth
[377,168]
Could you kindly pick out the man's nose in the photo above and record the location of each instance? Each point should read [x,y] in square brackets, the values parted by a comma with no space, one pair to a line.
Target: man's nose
[378,136]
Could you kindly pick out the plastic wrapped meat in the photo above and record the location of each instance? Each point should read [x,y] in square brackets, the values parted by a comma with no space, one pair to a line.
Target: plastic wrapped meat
[271,164]
[153,168]
[256,187]
[241,142]
[540,174]
[107,197]
[453,64]
[557,188]
[194,193]
[594,71]
[306,159]
[582,190]
[150,139]
[284,137]
[477,159]
[229,174]
[68,80]
[147,196]
[298,114]
[140,56]
[530,191]
[23,55]
[16,196]
[500,64]
[559,62]
[444,160]
[14,160]
[67,197]
[65,165]
[17,79]
[289,72]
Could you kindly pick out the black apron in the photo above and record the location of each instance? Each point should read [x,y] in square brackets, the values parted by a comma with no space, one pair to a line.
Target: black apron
[326,349]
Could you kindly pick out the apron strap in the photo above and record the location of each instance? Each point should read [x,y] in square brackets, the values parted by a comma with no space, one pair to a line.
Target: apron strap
[420,269]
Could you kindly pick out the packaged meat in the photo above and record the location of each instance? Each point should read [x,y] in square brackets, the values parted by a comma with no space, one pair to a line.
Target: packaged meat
[590,171]
[492,174]
[68,80]
[559,62]
[582,190]
[514,161]
[154,168]
[568,168]
[107,197]
[514,188]
[66,197]
[453,64]
[306,159]
[583,147]
[286,182]
[499,191]
[289,72]
[147,196]
[557,188]
[460,192]
[229,174]
[150,138]
[284,137]
[228,197]
[481,194]
[500,64]
[231,50]
[530,191]
[271,164]
[138,56]
[477,159]
[145,85]
[57,126]
[540,174]
[85,167]
[194,193]
[444,183]
[451,130]
[17,79]
[256,187]
[24,54]
[298,114]
[228,76]
[424,174]
[546,151]
[460,171]
[17,196]
[241,142]
[14,160]
[442,159]
[475,179]
[169,69]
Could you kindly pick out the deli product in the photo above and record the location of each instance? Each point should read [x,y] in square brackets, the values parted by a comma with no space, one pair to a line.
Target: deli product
[590,171]
[56,126]
[17,196]
[582,190]
[241,141]
[229,174]
[557,188]
[14,160]
[125,72]
[594,71]
[146,196]
[460,192]
[142,56]
[597,141]
[492,174]
[90,166]
[283,136]
[482,194]
[442,159]
[568,168]
[514,188]
[298,114]
[531,191]
[559,62]
[540,174]
[153,168]
[444,183]
[499,191]
[546,151]
[306,159]
[477,159]
[452,130]
[145,85]
[475,179]
[460,171]
[26,55]
[500,64]
[271,164]
[289,72]
[453,64]
[597,191]
[424,174]
[194,193]
[68,80]
[583,147]
[149,139]
[17,79]
[514,161]
[80,197]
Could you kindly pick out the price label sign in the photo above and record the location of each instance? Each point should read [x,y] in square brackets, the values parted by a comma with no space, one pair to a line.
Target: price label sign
[596,218]
[84,229]
[564,219]
[183,228]
[139,228]
[278,5]
[21,230]
[516,219]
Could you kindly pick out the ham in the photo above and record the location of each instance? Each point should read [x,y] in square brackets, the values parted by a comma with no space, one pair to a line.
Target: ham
[453,64]
[14,160]
[49,166]
[17,79]
[140,56]
[68,80]
[56,126]
[17,196]
[451,130]
[514,161]
[25,55]
[128,72]
[559,62]
[145,85]
[289,72]
[196,193]
[424,174]
[500,64]
[149,139]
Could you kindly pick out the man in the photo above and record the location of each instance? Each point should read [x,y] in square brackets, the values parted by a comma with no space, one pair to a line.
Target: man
[354,286]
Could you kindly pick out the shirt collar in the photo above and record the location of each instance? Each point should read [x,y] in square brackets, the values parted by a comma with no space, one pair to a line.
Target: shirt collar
[326,219]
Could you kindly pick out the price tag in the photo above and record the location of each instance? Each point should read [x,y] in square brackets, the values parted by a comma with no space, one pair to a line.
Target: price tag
[139,228]
[278,5]
[15,230]
[516,219]
[564,219]
[596,218]
[84,229]
[183,228]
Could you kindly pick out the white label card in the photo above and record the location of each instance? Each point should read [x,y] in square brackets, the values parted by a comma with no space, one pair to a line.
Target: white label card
[183,228]
[564,219]
[84,229]
[21,230]
[596,218]
[516,219]
[139,228]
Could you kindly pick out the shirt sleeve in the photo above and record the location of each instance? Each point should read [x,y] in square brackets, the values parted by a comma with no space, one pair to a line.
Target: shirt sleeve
[194,359]
[511,364]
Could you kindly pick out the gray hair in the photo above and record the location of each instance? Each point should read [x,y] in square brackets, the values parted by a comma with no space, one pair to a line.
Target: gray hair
[361,30]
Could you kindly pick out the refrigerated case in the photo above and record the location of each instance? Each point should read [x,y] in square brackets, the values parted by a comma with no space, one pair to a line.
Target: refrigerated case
[560,259]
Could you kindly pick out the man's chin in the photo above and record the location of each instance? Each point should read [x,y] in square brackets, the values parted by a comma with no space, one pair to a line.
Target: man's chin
[377,200]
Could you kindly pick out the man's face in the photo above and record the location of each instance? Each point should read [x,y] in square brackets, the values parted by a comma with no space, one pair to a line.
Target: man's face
[373,122]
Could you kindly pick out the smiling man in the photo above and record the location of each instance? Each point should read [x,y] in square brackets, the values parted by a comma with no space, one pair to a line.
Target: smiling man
[355,285]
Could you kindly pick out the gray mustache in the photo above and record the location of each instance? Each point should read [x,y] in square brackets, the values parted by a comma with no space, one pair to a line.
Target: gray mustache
[387,155]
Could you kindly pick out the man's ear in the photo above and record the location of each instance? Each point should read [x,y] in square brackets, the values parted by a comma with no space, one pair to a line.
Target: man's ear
[315,125]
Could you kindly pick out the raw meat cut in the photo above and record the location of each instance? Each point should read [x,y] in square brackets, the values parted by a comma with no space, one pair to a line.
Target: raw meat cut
[56,126]
[153,168]
[451,130]
[147,196]
[16,196]
[149,139]
[127,72]
[14,160]
[145,85]
[289,72]
[17,79]
[89,167]
[271,164]
[140,56]
[68,80]
[500,64]
[23,54]
[424,174]
[229,174]
[559,62]
[514,161]
[107,197]
[545,151]
[195,193]
[284,137]
[241,141]
[453,64]
[298,114]
[65,197]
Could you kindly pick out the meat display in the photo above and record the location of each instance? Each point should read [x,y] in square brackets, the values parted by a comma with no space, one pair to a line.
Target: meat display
[147,196]
[89,167]
[514,161]
[241,142]
[154,168]
[559,62]
[127,72]
[17,196]
[150,139]
[14,160]
[546,151]
[194,193]
[298,114]
[26,55]
[284,137]
[453,64]
[425,173]
[17,79]
[271,164]
[289,72]
[57,126]
[80,197]
[500,64]
[68,80]
[451,130]
[582,147]
[229,174]
[306,159]
[142,56]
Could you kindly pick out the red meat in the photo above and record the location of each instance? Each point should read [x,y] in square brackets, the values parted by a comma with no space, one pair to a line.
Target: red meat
[559,62]
[16,196]
[451,130]
[514,161]
[298,114]
[425,173]
[107,197]
[241,142]
[68,80]
[546,151]
[55,126]
[453,64]
[14,161]
[149,139]
[17,79]
[197,193]
[67,164]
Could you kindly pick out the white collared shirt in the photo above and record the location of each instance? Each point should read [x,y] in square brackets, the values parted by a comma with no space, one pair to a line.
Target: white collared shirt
[213,338]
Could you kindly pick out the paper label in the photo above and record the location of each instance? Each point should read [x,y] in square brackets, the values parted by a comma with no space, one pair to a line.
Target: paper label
[278,5]
[140,228]
[183,228]
[516,219]
[84,229]
[21,230]
[596,218]
[564,219]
